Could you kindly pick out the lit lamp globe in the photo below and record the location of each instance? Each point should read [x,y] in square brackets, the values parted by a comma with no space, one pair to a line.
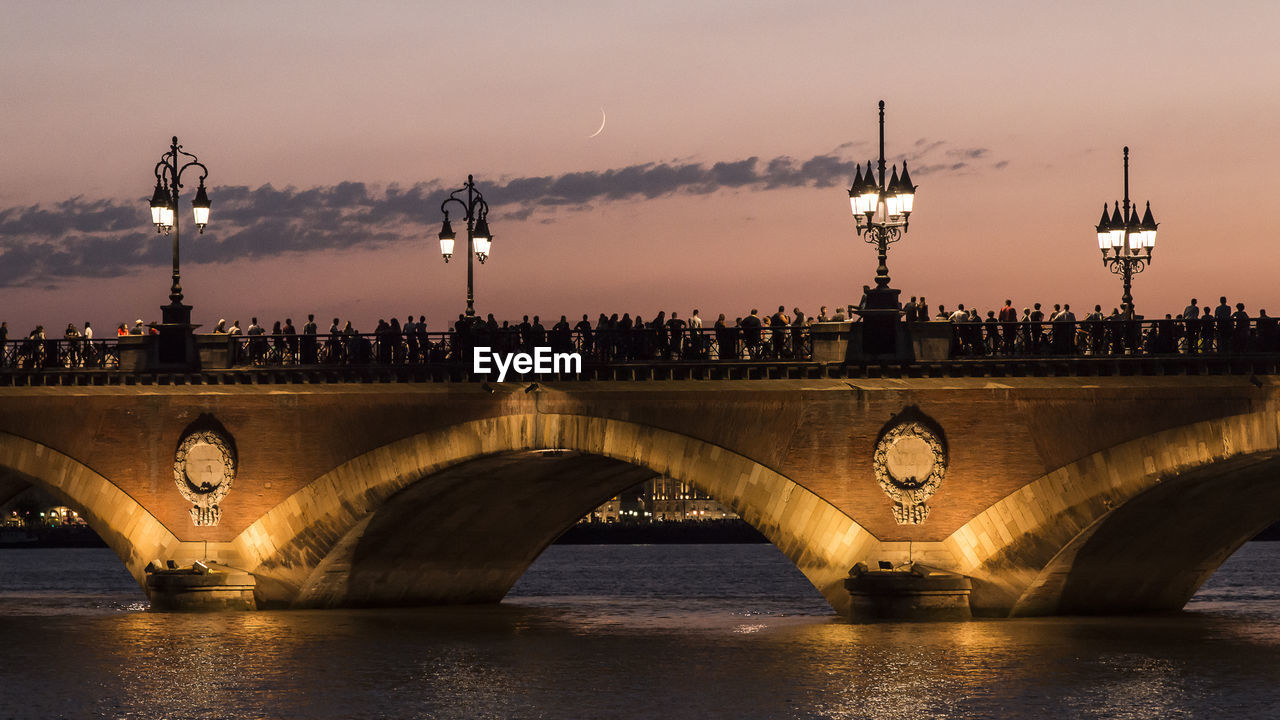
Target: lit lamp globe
[1104,230]
[1149,226]
[159,201]
[447,238]
[855,193]
[482,239]
[870,197]
[200,207]
[906,192]
[892,205]
[1135,234]
[1117,230]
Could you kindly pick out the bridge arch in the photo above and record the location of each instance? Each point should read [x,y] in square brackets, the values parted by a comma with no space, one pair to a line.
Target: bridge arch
[304,551]
[128,528]
[1136,527]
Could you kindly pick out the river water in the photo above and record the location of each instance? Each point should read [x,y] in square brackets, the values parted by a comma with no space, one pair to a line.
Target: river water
[683,631]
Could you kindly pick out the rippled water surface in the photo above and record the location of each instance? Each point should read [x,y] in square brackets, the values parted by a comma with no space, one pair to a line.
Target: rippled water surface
[624,632]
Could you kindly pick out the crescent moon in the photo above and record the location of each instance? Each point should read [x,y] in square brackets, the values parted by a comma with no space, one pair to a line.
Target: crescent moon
[603,119]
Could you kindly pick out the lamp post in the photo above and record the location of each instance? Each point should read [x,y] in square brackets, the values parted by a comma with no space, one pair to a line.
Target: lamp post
[175,342]
[1125,240]
[881,213]
[475,211]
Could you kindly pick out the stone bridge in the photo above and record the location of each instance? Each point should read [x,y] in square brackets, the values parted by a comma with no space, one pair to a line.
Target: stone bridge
[1060,494]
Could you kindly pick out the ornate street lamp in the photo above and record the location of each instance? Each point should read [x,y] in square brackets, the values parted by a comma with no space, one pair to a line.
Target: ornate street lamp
[479,240]
[164,214]
[1125,240]
[882,211]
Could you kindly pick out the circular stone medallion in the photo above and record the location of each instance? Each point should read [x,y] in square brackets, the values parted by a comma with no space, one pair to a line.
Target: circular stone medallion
[910,460]
[204,468]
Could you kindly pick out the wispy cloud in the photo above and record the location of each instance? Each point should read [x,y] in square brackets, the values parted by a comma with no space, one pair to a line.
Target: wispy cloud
[84,238]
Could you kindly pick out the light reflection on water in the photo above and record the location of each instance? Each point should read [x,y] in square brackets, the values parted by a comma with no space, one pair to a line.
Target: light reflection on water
[624,631]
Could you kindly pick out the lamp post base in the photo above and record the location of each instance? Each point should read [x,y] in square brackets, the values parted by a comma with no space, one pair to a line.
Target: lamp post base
[175,343]
[175,313]
[880,312]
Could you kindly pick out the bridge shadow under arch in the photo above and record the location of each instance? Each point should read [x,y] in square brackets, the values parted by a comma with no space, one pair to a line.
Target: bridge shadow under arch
[1138,527]
[457,515]
[1153,553]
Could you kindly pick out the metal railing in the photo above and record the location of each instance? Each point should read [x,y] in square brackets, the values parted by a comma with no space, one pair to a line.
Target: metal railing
[606,346]
[1115,337]
[50,354]
[610,347]
[278,350]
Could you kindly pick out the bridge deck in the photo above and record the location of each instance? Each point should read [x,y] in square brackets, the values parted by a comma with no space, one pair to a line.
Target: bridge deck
[1106,366]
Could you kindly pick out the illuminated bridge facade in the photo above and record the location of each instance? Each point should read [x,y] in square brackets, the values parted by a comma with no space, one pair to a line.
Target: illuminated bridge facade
[1094,485]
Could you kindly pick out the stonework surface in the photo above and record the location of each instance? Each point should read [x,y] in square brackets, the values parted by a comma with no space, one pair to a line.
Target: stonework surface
[1044,476]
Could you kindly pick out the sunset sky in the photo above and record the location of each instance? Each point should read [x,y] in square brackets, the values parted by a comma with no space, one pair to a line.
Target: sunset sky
[330,130]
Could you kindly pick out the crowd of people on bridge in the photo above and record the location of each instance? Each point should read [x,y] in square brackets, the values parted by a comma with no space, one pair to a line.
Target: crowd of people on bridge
[610,338]
[39,349]
[614,338]
[780,336]
[1197,330]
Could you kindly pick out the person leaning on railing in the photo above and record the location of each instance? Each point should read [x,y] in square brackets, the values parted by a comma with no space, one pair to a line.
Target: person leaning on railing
[349,343]
[561,336]
[424,342]
[1008,319]
[290,340]
[910,313]
[1268,332]
[410,330]
[696,336]
[973,328]
[1222,324]
[1240,329]
[752,331]
[276,352]
[308,346]
[586,344]
[1191,327]
[257,343]
[961,335]
[799,323]
[383,347]
[777,326]
[1164,339]
[726,340]
[991,333]
[1208,333]
[603,338]
[1066,323]
[1095,330]
[675,330]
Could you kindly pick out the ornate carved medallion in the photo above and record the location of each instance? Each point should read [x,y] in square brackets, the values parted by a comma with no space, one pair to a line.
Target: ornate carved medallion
[204,468]
[910,462]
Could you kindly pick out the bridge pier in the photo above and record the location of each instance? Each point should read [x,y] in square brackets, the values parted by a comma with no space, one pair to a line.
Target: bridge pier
[200,587]
[910,592]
